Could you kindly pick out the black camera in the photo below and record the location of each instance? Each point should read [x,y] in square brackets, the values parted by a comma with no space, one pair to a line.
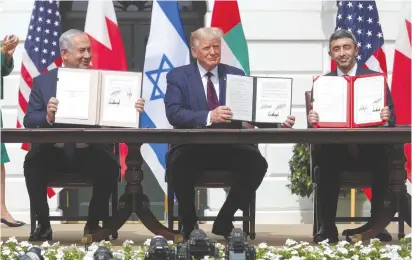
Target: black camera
[33,253]
[237,247]
[103,253]
[159,250]
[197,247]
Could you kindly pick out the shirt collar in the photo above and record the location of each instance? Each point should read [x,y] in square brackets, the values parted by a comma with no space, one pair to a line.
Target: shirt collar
[203,71]
[352,72]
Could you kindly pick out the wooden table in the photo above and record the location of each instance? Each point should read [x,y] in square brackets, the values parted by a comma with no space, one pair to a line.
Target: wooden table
[135,201]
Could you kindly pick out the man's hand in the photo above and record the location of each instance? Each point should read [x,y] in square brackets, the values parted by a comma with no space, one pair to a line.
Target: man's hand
[139,105]
[385,114]
[221,114]
[248,125]
[51,109]
[9,45]
[313,117]
[290,121]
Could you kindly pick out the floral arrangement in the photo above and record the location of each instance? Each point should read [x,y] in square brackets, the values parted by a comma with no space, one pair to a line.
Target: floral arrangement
[375,250]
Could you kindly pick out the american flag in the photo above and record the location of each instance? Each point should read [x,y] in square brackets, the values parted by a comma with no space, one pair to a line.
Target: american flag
[362,19]
[41,50]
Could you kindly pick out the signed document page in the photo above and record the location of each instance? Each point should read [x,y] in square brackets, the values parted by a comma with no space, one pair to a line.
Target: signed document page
[273,99]
[74,95]
[239,96]
[368,99]
[330,99]
[120,90]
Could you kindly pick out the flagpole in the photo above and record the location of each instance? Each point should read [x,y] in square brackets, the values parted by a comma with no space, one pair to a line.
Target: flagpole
[166,210]
[352,203]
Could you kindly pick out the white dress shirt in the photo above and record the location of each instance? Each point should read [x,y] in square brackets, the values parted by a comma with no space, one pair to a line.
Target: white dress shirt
[352,72]
[215,81]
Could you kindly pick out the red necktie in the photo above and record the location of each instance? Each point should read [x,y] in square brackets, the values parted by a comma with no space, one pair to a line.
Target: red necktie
[212,100]
[352,148]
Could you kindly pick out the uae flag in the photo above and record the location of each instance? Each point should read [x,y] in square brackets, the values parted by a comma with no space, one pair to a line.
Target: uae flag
[226,16]
[106,44]
[401,76]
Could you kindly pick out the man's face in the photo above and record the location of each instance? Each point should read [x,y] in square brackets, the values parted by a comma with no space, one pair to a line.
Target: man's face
[343,52]
[80,55]
[208,53]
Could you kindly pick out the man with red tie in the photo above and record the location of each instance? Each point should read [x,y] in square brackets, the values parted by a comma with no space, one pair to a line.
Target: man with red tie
[195,98]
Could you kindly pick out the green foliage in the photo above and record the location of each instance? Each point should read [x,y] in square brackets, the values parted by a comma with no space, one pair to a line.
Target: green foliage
[299,164]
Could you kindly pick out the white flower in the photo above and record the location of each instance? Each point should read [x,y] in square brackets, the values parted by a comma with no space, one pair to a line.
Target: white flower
[374,240]
[358,244]
[290,242]
[343,243]
[219,246]
[325,242]
[60,255]
[6,251]
[343,250]
[93,247]
[24,244]
[263,245]
[296,258]
[147,242]
[88,256]
[367,250]
[128,242]
[45,244]
[12,240]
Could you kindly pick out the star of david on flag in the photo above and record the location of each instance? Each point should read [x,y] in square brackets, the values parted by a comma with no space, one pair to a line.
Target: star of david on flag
[154,77]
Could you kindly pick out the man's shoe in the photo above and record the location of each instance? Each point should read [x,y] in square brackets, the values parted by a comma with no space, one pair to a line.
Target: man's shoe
[41,233]
[222,228]
[384,236]
[90,231]
[321,236]
[330,233]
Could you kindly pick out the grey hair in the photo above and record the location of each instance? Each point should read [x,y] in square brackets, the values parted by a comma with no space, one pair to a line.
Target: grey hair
[65,41]
[341,34]
[204,33]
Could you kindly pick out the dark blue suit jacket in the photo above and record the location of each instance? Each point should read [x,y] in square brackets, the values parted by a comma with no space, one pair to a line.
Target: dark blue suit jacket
[44,87]
[185,99]
[363,71]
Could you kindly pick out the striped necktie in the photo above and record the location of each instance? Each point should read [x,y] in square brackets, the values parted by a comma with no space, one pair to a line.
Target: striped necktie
[212,100]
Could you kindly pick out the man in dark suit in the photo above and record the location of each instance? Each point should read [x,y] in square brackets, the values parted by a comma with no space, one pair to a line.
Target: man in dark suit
[334,158]
[97,160]
[195,98]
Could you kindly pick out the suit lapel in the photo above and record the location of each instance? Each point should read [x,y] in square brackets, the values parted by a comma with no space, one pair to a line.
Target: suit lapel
[196,83]
[360,70]
[222,84]
[53,82]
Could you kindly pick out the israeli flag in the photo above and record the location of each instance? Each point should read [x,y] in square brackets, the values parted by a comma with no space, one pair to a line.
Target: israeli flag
[166,49]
